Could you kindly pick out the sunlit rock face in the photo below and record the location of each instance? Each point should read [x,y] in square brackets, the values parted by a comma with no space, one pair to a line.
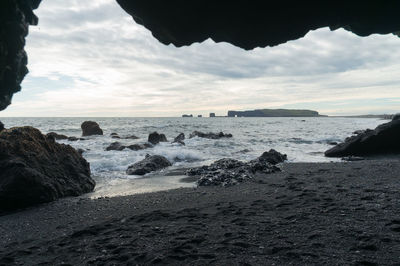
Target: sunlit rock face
[250,24]
[15,17]
[247,24]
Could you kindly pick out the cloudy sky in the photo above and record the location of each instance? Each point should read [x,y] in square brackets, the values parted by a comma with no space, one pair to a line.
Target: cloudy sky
[89,58]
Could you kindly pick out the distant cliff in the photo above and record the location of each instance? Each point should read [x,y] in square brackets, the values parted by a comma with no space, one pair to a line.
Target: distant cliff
[273,113]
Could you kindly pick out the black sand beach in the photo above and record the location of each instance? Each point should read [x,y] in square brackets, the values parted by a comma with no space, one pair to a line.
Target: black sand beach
[308,214]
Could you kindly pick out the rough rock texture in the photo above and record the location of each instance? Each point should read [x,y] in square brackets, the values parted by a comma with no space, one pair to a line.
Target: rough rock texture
[227,172]
[209,135]
[90,128]
[250,24]
[382,140]
[36,169]
[56,136]
[15,18]
[155,138]
[273,157]
[1,126]
[115,146]
[180,139]
[147,165]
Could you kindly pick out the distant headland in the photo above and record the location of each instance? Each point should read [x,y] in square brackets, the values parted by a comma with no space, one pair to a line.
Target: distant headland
[274,113]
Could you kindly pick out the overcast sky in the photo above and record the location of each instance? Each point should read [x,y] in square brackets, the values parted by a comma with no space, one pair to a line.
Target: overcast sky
[89,58]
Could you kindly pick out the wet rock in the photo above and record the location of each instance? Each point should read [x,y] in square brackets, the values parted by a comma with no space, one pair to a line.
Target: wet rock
[155,138]
[180,139]
[90,128]
[209,135]
[115,136]
[226,172]
[273,157]
[1,126]
[382,140]
[131,137]
[115,146]
[36,169]
[147,165]
[56,136]
[75,139]
[80,151]
[138,147]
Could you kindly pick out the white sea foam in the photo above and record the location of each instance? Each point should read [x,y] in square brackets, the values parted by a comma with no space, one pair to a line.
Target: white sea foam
[302,141]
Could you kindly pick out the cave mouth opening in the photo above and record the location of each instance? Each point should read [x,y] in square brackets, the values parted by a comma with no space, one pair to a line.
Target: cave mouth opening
[330,61]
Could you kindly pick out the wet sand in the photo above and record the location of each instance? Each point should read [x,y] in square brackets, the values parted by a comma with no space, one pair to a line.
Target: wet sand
[310,213]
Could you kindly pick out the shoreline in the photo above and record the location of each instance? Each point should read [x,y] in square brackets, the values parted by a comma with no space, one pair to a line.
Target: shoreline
[310,213]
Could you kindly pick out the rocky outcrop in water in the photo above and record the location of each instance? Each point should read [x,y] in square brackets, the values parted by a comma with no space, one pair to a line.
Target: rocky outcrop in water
[36,169]
[90,128]
[180,139]
[209,135]
[382,140]
[149,164]
[117,146]
[1,126]
[155,138]
[227,172]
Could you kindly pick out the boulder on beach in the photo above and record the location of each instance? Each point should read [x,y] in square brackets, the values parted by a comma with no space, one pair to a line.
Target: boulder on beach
[273,157]
[209,135]
[180,139]
[155,138]
[382,140]
[227,172]
[149,164]
[1,126]
[90,128]
[35,169]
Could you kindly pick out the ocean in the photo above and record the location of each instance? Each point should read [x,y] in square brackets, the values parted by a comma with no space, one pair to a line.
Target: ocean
[302,139]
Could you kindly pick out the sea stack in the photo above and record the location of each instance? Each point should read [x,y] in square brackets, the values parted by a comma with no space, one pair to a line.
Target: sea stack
[36,169]
[90,128]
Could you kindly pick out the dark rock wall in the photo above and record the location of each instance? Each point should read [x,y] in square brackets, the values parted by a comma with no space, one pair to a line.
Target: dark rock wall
[15,18]
[250,24]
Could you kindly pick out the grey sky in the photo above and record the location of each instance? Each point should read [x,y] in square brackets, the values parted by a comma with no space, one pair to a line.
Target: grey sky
[89,58]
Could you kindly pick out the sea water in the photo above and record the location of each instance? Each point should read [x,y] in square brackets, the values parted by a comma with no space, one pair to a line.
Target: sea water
[302,139]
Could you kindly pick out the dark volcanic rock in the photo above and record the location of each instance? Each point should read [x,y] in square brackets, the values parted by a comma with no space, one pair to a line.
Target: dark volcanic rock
[115,146]
[90,128]
[36,169]
[115,136]
[147,165]
[226,172]
[137,147]
[396,117]
[131,137]
[1,126]
[75,139]
[382,140]
[15,18]
[180,139]
[273,157]
[257,23]
[209,135]
[156,138]
[56,136]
